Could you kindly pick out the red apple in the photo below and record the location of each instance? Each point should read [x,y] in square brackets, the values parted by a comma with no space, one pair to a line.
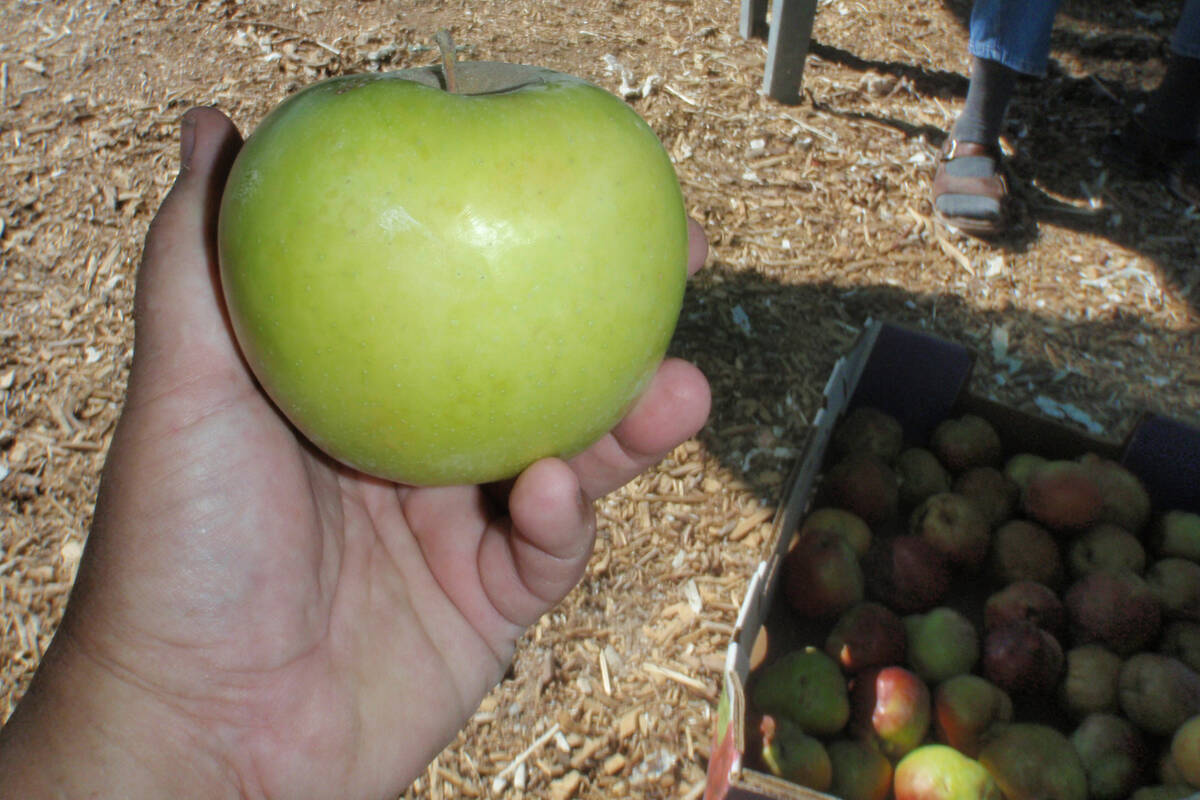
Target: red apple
[938,772]
[941,643]
[906,573]
[1063,496]
[964,708]
[1022,659]
[1025,551]
[1114,608]
[892,707]
[821,575]
[1029,601]
[864,484]
[954,526]
[1113,753]
[1031,761]
[867,635]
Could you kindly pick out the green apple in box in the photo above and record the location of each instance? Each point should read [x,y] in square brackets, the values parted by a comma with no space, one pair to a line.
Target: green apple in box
[441,275]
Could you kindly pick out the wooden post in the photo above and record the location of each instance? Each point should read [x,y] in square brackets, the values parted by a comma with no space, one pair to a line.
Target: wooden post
[753,23]
[787,47]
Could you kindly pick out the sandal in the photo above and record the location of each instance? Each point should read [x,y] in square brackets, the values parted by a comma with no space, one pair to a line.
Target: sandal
[1151,156]
[970,192]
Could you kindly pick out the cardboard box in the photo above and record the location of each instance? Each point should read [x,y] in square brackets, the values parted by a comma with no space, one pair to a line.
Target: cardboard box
[921,380]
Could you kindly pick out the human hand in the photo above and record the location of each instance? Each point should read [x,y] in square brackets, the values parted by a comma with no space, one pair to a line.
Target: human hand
[251,619]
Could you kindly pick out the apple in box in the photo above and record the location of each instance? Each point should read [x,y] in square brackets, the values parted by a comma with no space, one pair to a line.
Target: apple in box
[441,275]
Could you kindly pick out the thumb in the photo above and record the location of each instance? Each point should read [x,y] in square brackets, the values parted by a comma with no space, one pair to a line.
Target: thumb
[181,328]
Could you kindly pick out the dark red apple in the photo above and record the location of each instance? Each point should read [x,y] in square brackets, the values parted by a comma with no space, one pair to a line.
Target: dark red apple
[1063,496]
[864,484]
[867,635]
[1022,659]
[821,575]
[1026,601]
[906,573]
[1115,608]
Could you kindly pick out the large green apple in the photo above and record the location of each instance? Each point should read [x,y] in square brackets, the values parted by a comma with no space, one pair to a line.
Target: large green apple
[441,287]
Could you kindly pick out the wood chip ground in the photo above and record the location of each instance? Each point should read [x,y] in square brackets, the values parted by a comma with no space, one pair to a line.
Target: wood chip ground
[818,218]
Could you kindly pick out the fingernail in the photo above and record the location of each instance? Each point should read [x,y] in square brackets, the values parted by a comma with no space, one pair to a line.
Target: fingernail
[187,139]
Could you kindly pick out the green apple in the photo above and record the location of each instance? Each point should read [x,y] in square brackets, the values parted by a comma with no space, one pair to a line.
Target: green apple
[441,287]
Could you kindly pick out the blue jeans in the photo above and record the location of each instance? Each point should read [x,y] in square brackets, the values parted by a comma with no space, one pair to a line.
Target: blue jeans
[1017,32]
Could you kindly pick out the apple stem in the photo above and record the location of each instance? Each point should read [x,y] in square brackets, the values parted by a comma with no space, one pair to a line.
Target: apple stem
[449,71]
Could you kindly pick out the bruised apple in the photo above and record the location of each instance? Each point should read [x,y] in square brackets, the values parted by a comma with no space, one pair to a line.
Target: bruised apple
[439,280]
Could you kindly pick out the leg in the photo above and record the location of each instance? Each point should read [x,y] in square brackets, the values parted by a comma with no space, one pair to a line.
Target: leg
[1164,141]
[1007,37]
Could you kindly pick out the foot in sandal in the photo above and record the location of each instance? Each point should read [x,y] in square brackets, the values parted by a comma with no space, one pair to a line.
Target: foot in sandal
[970,192]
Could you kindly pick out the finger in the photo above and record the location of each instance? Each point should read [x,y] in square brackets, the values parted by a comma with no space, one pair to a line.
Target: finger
[180,324]
[697,246]
[671,410]
[528,568]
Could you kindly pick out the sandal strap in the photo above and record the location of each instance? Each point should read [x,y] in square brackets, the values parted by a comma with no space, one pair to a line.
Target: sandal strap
[993,187]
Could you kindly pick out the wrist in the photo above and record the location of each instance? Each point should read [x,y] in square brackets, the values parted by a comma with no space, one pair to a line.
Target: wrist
[80,730]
